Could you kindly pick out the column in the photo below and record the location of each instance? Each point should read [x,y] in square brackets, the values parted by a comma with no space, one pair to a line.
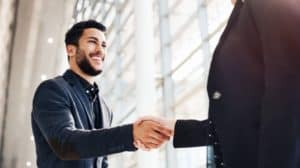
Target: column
[145,81]
[166,66]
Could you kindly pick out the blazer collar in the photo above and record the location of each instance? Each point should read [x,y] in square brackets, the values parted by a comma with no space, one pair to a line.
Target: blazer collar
[71,78]
[80,92]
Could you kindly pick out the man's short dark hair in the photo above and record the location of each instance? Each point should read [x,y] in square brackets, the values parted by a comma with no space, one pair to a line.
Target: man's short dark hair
[74,33]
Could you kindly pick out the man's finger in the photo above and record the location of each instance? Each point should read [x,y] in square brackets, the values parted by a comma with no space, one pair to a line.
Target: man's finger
[152,145]
[163,130]
[159,136]
[152,140]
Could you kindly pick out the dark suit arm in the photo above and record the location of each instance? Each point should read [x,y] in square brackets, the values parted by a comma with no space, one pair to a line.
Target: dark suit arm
[191,133]
[53,116]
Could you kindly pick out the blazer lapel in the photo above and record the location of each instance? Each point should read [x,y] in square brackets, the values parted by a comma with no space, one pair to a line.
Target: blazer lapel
[85,103]
[105,112]
[81,96]
[232,20]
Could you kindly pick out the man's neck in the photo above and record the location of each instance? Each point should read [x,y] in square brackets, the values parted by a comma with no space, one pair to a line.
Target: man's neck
[90,79]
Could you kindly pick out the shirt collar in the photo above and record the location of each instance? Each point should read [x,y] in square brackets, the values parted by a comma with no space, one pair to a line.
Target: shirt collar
[91,90]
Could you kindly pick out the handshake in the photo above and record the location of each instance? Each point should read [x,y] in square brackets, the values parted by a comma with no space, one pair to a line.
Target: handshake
[151,132]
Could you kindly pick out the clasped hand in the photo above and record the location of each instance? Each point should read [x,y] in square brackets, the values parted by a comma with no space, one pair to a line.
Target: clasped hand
[151,132]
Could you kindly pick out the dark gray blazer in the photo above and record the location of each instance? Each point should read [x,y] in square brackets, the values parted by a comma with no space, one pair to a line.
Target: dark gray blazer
[64,134]
[254,88]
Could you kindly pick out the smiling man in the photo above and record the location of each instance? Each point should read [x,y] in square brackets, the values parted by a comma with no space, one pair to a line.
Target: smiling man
[70,119]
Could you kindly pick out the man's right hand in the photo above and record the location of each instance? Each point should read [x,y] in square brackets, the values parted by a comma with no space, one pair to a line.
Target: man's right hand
[150,133]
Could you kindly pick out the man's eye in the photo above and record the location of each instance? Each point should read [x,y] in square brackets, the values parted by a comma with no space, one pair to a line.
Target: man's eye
[93,42]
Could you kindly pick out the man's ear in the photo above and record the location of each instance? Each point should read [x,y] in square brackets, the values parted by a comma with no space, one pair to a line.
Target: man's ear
[71,50]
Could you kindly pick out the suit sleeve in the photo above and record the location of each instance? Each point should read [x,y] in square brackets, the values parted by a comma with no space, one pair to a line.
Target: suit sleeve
[278,25]
[52,114]
[191,133]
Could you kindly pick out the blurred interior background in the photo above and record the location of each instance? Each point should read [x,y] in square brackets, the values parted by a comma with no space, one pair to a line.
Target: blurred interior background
[175,38]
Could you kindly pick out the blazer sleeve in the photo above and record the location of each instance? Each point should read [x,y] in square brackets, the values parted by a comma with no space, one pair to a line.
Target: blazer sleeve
[53,117]
[191,133]
[278,26]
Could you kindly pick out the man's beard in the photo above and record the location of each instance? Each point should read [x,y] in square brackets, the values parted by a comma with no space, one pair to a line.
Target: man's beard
[84,64]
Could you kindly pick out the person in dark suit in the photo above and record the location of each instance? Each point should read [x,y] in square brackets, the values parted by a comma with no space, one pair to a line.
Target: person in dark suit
[70,119]
[253,88]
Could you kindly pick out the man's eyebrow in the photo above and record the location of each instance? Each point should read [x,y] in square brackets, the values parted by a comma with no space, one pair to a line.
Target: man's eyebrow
[94,38]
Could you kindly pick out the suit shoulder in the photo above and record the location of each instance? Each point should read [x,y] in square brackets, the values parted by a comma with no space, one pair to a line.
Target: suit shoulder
[49,88]
[280,10]
[49,84]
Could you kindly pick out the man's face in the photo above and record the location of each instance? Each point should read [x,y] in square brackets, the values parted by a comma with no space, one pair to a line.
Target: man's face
[91,51]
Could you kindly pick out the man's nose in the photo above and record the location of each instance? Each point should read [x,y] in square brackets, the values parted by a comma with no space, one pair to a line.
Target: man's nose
[100,49]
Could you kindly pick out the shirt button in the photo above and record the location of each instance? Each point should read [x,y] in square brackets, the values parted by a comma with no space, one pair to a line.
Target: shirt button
[217,95]
[87,91]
